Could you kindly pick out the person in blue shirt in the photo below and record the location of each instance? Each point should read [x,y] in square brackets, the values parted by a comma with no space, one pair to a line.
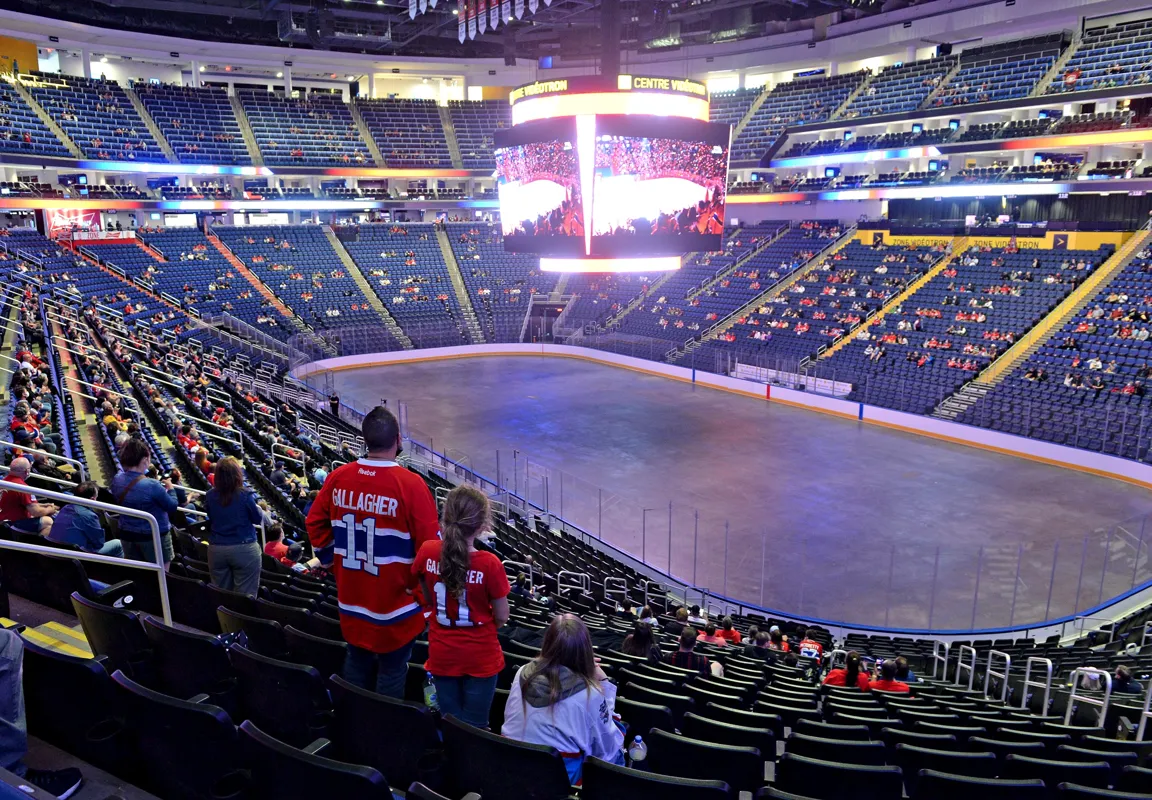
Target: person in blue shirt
[79,525]
[233,553]
[134,489]
[903,671]
[1123,682]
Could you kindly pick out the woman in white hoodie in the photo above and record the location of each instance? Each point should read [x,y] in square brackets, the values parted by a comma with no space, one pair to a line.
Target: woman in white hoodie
[563,699]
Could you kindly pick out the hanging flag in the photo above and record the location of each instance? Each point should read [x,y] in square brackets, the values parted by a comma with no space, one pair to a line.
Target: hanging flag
[411,9]
[482,17]
[462,20]
[506,11]
[494,13]
[432,3]
[519,9]
[472,18]
[533,5]
[423,6]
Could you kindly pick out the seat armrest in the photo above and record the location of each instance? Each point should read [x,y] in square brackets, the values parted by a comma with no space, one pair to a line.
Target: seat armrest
[200,698]
[115,592]
[317,746]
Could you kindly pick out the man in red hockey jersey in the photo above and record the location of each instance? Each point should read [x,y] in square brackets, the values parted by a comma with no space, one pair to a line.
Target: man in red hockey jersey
[367,523]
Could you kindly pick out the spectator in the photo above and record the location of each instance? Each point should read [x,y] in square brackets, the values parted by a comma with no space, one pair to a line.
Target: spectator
[374,496]
[686,658]
[903,671]
[646,618]
[709,636]
[471,589]
[133,489]
[887,681]
[809,647]
[694,617]
[677,626]
[850,675]
[640,642]
[320,474]
[776,639]
[80,525]
[562,698]
[334,405]
[233,553]
[278,477]
[286,554]
[759,647]
[728,633]
[20,509]
[1124,683]
[61,783]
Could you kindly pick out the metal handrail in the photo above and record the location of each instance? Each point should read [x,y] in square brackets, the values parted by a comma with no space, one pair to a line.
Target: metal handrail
[80,555]
[14,446]
[611,590]
[989,673]
[1092,701]
[1145,714]
[1031,684]
[1078,624]
[583,582]
[5,470]
[940,658]
[283,453]
[661,591]
[526,568]
[966,649]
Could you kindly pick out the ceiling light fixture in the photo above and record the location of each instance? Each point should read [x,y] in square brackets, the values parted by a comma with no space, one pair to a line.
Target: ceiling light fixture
[103,59]
[201,67]
[279,74]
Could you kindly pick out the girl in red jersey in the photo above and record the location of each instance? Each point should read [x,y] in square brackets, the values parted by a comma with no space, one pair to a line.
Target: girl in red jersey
[851,675]
[466,592]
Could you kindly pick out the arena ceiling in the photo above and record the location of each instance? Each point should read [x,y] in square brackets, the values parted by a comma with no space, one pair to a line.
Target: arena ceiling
[568,28]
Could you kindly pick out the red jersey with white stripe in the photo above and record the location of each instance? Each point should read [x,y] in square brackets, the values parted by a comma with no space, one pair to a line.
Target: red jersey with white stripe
[462,629]
[368,521]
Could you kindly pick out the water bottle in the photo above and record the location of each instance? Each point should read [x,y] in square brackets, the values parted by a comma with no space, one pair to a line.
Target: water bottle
[430,699]
[637,751]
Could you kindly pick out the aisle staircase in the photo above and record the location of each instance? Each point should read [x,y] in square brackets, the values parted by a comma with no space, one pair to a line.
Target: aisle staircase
[958,248]
[150,124]
[58,637]
[475,333]
[927,103]
[840,109]
[1072,304]
[450,137]
[246,131]
[366,289]
[45,117]
[366,135]
[87,421]
[1057,68]
[251,277]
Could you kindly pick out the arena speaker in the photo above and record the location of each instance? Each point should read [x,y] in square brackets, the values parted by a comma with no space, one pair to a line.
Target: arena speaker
[943,49]
[509,47]
[610,37]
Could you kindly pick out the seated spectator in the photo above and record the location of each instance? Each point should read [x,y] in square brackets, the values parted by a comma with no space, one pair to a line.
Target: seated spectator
[80,525]
[562,698]
[709,636]
[646,618]
[641,643]
[279,477]
[1124,683]
[728,633]
[887,681]
[685,657]
[677,626]
[20,509]
[809,647]
[776,640]
[850,675]
[287,554]
[695,618]
[903,671]
[759,647]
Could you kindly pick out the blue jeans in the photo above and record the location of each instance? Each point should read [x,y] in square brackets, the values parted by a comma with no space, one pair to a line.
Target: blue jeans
[111,547]
[466,698]
[391,669]
[13,728]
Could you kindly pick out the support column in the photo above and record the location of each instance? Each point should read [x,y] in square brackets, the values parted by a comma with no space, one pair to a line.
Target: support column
[86,61]
[195,72]
[910,54]
[288,81]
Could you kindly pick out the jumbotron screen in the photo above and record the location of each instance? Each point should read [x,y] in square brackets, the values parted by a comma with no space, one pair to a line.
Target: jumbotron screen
[658,189]
[651,186]
[538,183]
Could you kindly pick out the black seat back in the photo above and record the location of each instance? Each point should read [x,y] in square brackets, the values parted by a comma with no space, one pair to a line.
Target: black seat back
[192,604]
[233,601]
[710,730]
[115,634]
[1084,773]
[831,780]
[280,770]
[364,732]
[263,636]
[848,752]
[911,759]
[281,697]
[934,785]
[604,781]
[742,768]
[502,769]
[643,717]
[187,663]
[165,730]
[325,655]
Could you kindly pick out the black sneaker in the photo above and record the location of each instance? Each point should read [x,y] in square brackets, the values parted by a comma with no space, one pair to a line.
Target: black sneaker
[60,783]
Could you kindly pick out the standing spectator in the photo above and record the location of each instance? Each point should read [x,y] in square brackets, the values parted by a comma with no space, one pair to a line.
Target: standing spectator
[133,488]
[233,553]
[334,404]
[729,633]
[21,509]
[850,675]
[467,592]
[80,525]
[641,643]
[686,658]
[367,523]
[887,681]
[562,698]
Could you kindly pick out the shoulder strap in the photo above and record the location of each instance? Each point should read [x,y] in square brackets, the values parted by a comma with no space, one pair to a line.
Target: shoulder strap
[120,497]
